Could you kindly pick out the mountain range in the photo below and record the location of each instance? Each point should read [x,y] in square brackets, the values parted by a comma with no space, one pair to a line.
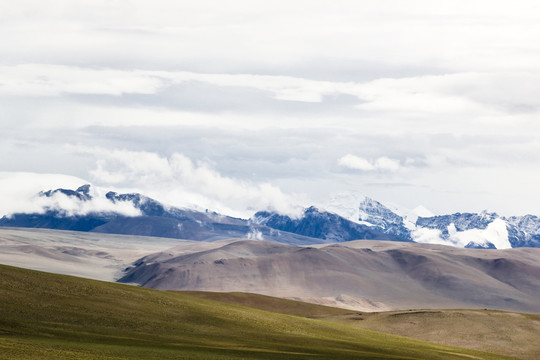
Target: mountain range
[136,214]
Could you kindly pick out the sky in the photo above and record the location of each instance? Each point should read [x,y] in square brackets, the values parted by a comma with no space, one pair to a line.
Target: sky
[241,106]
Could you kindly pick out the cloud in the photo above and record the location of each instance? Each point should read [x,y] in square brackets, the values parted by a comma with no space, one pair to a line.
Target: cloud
[272,35]
[19,189]
[56,80]
[495,233]
[71,206]
[20,194]
[179,181]
[385,163]
[265,94]
[460,102]
[358,163]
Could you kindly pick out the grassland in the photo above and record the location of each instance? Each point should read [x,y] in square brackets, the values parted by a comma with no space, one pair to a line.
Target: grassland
[271,304]
[46,316]
[502,332]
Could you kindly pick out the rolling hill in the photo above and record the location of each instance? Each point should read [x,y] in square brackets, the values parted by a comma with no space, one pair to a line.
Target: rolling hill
[507,333]
[47,316]
[363,275]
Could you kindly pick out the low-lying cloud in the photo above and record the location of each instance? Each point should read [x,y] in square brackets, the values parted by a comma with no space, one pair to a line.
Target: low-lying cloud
[359,163]
[495,233]
[179,181]
[27,197]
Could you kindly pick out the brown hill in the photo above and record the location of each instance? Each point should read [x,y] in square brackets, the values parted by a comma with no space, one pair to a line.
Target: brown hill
[366,275]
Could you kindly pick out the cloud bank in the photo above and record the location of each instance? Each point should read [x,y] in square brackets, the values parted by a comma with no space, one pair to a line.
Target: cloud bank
[417,103]
[20,193]
[495,233]
[179,181]
[358,163]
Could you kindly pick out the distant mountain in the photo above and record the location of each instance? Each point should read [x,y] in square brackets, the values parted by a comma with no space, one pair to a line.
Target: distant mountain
[524,231]
[322,225]
[152,218]
[135,214]
[382,219]
[469,230]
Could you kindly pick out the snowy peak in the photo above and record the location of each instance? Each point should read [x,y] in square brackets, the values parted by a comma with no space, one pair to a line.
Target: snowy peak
[470,230]
[482,230]
[91,209]
[524,231]
[375,214]
[320,224]
[82,193]
[461,221]
[146,205]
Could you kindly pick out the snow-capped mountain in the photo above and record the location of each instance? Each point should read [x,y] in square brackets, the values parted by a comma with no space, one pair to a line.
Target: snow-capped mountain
[524,231]
[468,230]
[322,225]
[135,214]
[85,209]
[375,214]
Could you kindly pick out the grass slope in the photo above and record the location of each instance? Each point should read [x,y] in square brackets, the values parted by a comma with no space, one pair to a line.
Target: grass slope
[502,332]
[46,316]
[270,303]
[508,333]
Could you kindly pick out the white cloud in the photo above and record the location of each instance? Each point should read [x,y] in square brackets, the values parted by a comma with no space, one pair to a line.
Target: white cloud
[358,163]
[55,80]
[477,34]
[385,163]
[428,236]
[453,85]
[20,194]
[18,189]
[179,181]
[71,206]
[495,233]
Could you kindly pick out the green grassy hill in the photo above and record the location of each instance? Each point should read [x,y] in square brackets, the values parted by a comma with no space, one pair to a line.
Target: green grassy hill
[46,316]
[501,332]
[272,304]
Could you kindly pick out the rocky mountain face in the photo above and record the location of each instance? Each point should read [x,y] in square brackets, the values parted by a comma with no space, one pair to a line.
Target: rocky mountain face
[382,219]
[136,214]
[468,230]
[322,225]
[524,231]
[147,217]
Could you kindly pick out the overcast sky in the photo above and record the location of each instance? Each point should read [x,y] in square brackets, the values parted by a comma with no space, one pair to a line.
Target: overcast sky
[239,106]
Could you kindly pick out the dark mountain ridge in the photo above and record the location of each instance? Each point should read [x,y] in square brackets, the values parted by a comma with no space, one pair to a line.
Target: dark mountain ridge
[375,221]
[156,219]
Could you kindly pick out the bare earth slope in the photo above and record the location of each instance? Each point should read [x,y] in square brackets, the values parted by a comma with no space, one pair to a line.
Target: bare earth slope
[95,256]
[365,275]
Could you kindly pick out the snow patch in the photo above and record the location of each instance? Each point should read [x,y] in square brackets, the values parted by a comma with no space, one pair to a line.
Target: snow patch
[428,236]
[345,204]
[495,233]
[421,211]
